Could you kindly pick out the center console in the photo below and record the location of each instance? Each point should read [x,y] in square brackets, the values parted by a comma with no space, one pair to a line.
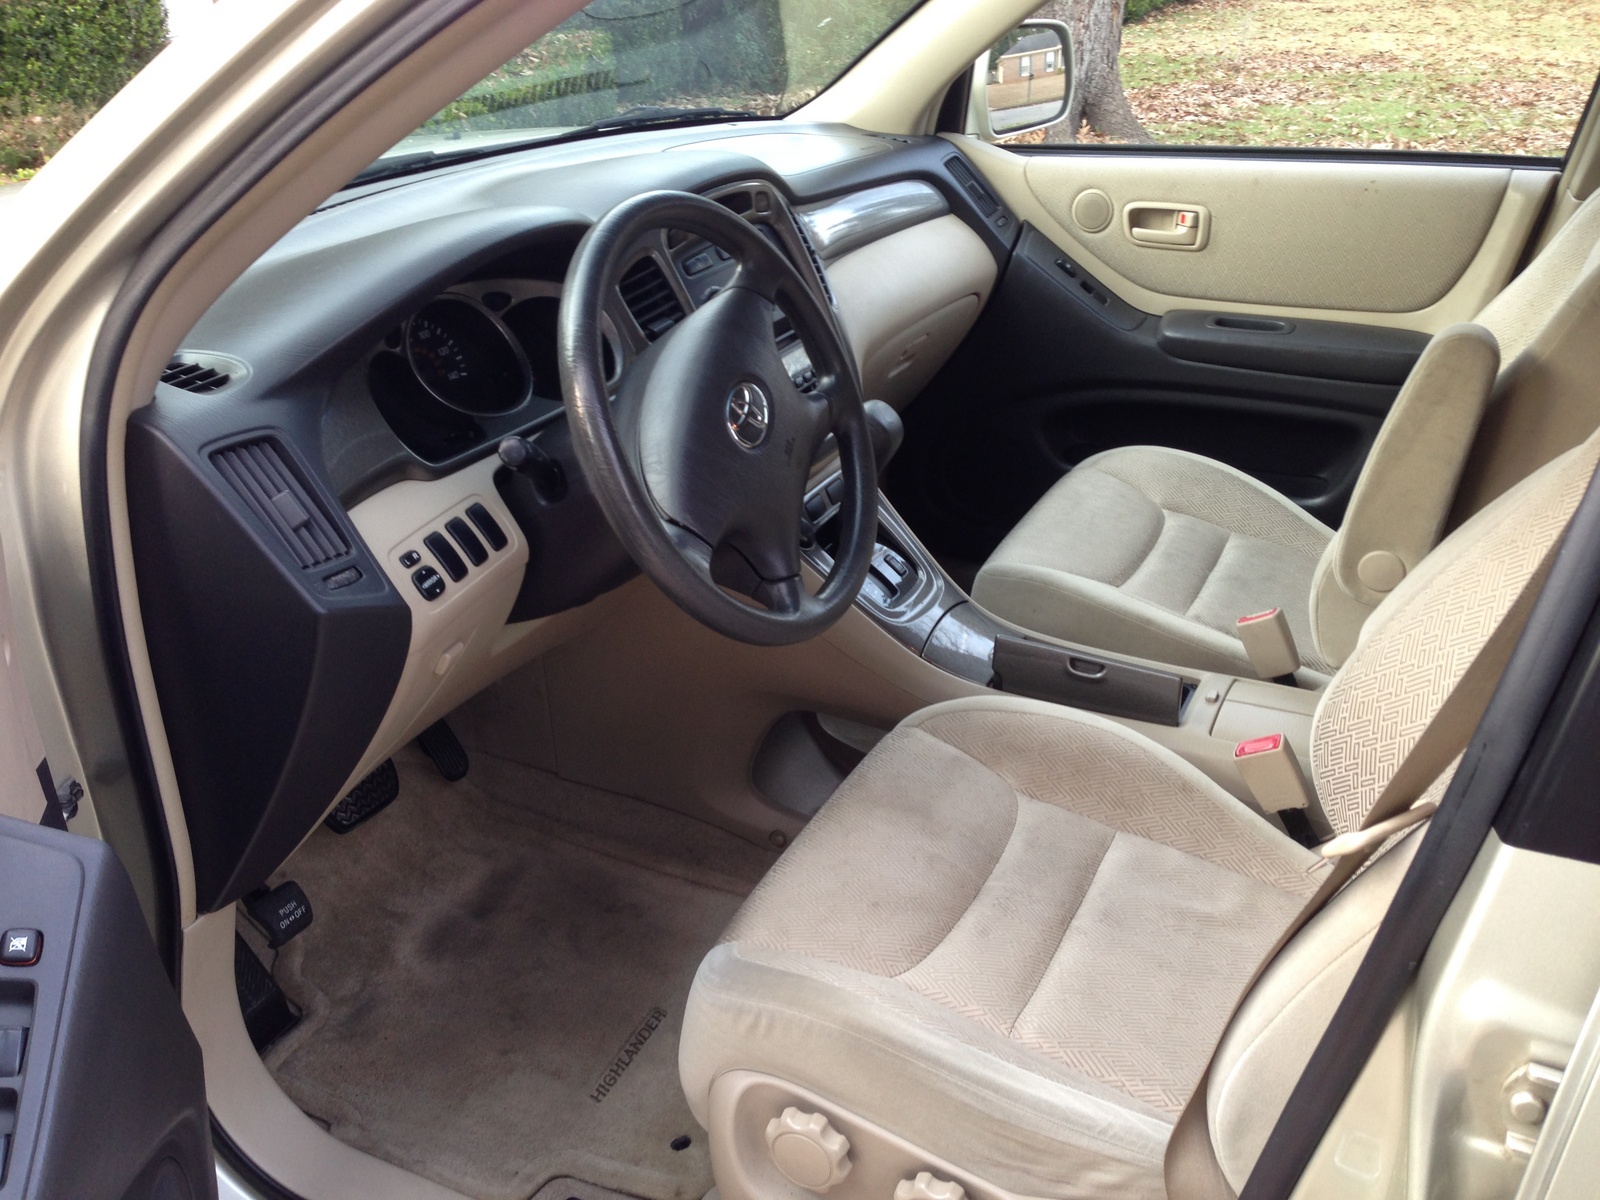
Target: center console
[912,598]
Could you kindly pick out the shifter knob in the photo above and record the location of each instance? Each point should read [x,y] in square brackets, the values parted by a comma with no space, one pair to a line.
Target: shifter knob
[886,429]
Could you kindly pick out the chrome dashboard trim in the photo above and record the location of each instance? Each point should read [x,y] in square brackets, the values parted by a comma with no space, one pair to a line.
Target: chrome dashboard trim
[842,225]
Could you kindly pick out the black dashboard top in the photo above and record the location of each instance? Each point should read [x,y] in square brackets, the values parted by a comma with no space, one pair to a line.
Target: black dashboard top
[328,318]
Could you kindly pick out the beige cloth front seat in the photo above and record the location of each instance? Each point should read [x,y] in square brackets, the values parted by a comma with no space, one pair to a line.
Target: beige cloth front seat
[1157,553]
[1004,951]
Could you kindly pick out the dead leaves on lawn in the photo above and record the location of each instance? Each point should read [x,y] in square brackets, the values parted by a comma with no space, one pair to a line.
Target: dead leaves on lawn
[1424,75]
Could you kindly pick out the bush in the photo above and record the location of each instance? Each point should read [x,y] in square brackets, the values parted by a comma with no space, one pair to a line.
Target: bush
[74,52]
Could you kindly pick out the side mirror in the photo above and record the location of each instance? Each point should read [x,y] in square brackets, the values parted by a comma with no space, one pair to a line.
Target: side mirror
[1025,81]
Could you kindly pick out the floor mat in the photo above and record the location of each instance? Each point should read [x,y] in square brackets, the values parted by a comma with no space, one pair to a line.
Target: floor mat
[495,978]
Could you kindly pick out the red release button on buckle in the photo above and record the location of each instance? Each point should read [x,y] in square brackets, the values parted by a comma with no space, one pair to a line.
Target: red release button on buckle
[1260,616]
[1258,745]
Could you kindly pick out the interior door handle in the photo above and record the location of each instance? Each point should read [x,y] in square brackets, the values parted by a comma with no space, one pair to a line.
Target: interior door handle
[1167,225]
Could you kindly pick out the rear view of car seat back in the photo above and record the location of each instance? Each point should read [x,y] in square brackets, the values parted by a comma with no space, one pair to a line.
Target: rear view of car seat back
[1487,404]
[1545,400]
[1397,512]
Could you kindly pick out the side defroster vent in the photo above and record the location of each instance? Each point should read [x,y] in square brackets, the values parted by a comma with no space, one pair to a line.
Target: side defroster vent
[975,187]
[194,377]
[650,297]
[261,474]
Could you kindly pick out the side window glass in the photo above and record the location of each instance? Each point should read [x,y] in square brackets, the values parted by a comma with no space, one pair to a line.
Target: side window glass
[1473,76]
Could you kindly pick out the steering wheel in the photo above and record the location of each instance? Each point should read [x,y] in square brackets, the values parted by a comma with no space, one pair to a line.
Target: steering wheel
[701,463]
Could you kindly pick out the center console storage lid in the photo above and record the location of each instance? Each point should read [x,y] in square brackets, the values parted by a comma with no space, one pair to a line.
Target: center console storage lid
[1045,671]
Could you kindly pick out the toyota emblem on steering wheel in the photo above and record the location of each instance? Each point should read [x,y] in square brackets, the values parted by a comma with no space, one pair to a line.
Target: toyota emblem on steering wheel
[749,414]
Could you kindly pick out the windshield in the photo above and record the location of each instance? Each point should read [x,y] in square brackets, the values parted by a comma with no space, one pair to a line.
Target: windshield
[648,61]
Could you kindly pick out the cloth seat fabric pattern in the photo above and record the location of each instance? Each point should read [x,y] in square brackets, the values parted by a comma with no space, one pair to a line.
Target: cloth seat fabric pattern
[1158,553]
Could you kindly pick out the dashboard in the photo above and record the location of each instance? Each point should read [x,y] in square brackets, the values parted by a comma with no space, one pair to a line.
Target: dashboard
[330,554]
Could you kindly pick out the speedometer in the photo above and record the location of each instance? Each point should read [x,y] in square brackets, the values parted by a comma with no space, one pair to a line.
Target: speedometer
[467,359]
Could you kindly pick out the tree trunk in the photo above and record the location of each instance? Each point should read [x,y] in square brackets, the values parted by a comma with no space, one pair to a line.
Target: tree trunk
[1100,100]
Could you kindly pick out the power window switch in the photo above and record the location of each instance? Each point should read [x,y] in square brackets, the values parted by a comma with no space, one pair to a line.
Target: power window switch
[12,1043]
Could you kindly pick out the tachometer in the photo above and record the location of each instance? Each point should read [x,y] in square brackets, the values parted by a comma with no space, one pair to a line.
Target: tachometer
[466,358]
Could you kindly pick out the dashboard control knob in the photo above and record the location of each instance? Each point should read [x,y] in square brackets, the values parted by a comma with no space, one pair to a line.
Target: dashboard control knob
[520,454]
[808,1150]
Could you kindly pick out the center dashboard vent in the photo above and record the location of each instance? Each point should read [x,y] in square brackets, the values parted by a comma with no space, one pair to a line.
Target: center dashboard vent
[975,187]
[262,476]
[803,232]
[650,298]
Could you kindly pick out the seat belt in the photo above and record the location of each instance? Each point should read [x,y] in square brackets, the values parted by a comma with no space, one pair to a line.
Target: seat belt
[1191,1169]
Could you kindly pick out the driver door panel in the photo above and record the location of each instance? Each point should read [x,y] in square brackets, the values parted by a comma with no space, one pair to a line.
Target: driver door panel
[108,1099]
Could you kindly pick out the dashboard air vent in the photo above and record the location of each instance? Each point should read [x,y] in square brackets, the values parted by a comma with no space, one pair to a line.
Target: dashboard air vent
[650,298]
[975,187]
[194,377]
[804,233]
[260,473]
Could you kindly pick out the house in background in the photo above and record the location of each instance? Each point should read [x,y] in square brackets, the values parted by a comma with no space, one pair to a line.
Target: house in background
[1032,56]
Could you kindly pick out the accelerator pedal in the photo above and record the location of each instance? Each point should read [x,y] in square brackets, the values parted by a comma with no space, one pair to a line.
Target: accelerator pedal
[439,742]
[367,799]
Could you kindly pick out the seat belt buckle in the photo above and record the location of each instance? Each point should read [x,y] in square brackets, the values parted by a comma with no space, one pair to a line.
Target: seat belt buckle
[1269,645]
[1272,773]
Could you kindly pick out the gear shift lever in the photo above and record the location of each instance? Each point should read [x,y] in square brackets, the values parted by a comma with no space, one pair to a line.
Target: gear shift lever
[887,431]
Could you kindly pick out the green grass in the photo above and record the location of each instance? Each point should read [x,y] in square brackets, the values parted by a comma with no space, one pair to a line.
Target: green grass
[1458,75]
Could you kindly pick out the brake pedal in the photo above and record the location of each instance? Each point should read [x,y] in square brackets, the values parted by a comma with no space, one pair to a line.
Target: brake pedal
[439,742]
[367,799]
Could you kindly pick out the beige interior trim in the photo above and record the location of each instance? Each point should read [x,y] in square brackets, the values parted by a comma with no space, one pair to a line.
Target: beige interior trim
[1021,179]
[460,643]
[896,86]
[1363,1154]
[262,1121]
[908,299]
